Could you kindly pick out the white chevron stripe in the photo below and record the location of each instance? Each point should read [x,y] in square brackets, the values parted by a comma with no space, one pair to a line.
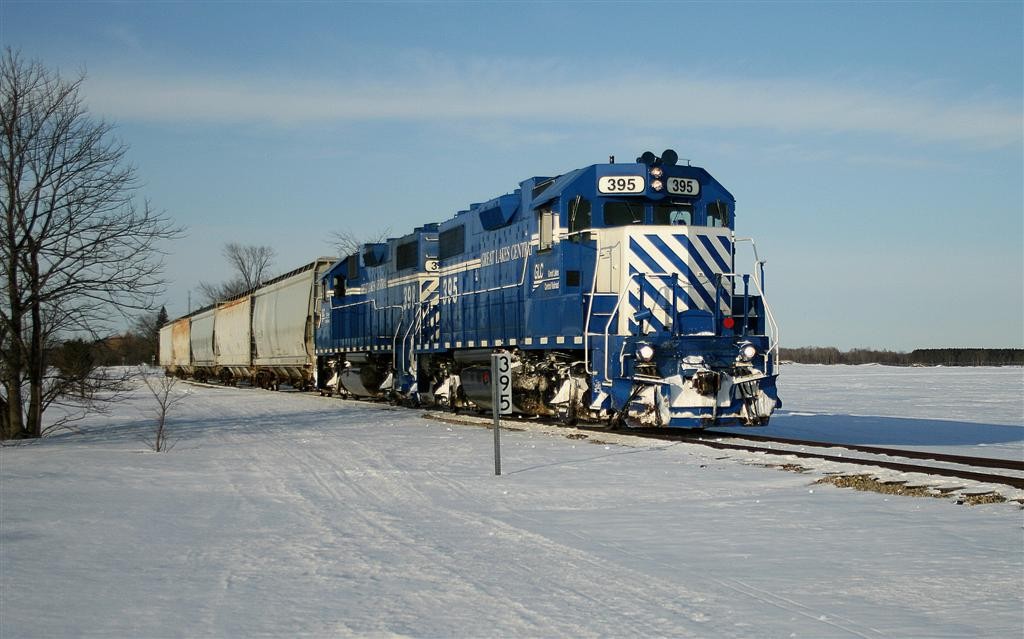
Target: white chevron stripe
[707,280]
[666,266]
[709,260]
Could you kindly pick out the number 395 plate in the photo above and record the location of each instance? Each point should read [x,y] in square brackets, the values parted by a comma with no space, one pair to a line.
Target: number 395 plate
[683,186]
[621,184]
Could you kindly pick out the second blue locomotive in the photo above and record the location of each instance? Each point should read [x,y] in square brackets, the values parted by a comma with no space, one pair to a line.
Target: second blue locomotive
[614,287]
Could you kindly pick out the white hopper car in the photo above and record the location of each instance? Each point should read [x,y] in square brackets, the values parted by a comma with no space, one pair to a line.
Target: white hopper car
[264,336]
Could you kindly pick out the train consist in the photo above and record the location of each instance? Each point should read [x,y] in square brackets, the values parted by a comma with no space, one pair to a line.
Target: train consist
[614,287]
[263,337]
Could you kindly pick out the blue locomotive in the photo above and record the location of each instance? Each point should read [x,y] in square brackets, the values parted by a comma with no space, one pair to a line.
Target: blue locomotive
[613,286]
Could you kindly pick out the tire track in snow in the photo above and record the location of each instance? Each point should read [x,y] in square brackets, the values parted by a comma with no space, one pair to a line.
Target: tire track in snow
[431,564]
[592,584]
[762,596]
[830,619]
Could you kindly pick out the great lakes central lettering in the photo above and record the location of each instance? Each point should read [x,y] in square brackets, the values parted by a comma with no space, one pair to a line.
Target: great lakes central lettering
[505,254]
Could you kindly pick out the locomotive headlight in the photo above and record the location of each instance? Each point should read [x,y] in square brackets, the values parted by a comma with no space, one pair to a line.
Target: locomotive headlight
[656,172]
[747,352]
[657,185]
[645,352]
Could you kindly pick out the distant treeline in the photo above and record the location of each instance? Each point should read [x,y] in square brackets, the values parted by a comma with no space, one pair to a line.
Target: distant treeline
[918,357]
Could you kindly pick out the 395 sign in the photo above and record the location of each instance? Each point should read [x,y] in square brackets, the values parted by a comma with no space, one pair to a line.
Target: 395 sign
[683,186]
[502,369]
[613,184]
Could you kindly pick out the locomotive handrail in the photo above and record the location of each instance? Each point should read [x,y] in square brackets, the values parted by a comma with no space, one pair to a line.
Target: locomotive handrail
[590,304]
[394,343]
[522,278]
[773,344]
[410,336]
[759,282]
[373,304]
[757,261]
[774,327]
[623,295]
[371,301]
[771,321]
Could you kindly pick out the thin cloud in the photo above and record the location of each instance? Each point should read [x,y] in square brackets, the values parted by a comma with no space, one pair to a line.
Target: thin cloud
[478,99]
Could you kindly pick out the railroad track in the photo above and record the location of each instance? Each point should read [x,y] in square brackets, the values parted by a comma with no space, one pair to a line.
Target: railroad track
[958,466]
[955,466]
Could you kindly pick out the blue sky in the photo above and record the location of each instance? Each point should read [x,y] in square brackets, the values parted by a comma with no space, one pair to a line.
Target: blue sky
[876,150]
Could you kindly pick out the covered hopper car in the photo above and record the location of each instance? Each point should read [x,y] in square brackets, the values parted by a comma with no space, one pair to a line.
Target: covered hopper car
[263,336]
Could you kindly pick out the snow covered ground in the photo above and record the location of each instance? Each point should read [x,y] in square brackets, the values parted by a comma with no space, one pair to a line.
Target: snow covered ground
[285,514]
[964,411]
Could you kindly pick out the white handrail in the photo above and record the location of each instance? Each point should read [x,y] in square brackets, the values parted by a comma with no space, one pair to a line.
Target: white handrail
[409,335]
[768,312]
[394,343]
[590,302]
[522,278]
[623,295]
[773,325]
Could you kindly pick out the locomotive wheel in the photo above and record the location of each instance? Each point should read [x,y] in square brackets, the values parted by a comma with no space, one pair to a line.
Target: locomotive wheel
[617,421]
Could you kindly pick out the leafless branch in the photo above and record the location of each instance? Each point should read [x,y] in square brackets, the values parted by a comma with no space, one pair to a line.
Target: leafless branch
[167,395]
[77,252]
[251,265]
[347,243]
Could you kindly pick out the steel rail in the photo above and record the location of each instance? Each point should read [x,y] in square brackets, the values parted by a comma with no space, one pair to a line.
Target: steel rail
[988,478]
[983,462]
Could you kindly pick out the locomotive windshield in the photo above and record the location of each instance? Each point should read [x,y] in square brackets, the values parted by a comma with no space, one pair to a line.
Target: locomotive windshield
[623,213]
[626,213]
[666,213]
[675,213]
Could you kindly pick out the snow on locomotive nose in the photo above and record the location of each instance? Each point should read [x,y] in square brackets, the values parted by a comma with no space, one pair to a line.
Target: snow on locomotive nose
[613,286]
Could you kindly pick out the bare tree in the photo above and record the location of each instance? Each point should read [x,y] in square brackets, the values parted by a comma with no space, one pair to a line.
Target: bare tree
[77,385]
[347,243]
[76,254]
[251,265]
[165,392]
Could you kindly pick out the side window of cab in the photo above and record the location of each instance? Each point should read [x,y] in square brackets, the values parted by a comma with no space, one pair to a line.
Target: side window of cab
[718,213]
[546,227]
[579,214]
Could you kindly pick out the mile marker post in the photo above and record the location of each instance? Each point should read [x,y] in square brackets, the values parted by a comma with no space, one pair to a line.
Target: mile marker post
[501,399]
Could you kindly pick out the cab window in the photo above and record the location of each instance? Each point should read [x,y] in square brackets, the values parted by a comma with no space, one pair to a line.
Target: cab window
[546,223]
[675,213]
[623,213]
[579,214]
[718,214]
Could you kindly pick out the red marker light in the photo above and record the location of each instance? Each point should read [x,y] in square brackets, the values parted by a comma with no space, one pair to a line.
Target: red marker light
[728,322]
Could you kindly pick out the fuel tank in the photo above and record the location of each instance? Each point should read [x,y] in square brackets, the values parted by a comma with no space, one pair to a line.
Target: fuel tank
[529,392]
[362,381]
